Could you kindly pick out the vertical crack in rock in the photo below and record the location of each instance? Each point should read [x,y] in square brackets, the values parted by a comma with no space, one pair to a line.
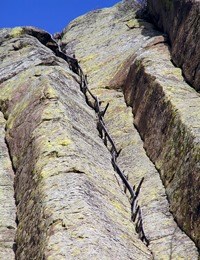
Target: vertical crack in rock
[107,62]
[136,213]
[180,20]
[168,124]
[7,205]
[68,203]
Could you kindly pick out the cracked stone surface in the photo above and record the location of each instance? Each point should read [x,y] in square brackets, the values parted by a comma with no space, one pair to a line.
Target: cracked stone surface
[106,62]
[69,204]
[180,19]
[7,201]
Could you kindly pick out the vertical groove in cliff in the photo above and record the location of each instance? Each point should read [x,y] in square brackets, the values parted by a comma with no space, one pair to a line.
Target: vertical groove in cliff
[158,170]
[14,171]
[180,20]
[108,66]
[136,212]
[8,225]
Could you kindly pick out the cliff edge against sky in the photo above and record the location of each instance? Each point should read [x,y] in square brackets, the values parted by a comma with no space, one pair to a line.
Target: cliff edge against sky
[62,196]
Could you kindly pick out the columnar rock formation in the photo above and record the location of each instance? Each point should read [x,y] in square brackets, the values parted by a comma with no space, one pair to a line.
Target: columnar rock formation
[180,20]
[70,203]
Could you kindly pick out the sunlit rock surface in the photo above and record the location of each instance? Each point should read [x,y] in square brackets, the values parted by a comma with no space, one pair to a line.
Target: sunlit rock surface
[67,200]
[106,47]
[7,201]
[69,204]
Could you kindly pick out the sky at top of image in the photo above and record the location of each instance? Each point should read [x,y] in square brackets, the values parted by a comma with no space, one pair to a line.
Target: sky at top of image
[49,15]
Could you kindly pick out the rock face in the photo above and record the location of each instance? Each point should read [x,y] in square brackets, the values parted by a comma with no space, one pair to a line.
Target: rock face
[7,205]
[111,41]
[180,20]
[166,115]
[70,203]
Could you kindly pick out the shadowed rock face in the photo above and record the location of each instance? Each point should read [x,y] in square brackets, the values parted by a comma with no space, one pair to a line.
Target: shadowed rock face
[166,113]
[69,202]
[180,20]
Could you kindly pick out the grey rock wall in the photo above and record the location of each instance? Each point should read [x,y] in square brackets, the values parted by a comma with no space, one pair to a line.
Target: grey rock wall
[68,200]
[99,48]
[180,19]
[69,203]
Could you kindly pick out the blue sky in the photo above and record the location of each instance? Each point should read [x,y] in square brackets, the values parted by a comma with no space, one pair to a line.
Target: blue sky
[50,15]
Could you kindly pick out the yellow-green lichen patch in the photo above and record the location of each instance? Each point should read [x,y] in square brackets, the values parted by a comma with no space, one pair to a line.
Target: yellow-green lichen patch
[133,23]
[16,32]
[50,93]
[64,142]
[117,205]
[7,90]
[52,111]
[90,57]
[17,111]
[55,146]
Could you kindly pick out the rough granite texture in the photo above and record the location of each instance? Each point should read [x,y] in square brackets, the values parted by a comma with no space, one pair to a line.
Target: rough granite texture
[69,203]
[180,19]
[166,113]
[106,47]
[7,201]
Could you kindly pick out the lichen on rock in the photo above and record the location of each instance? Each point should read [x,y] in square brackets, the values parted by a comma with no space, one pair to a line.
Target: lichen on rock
[180,20]
[70,202]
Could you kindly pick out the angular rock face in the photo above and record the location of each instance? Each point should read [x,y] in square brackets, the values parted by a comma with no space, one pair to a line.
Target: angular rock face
[70,202]
[106,48]
[180,20]
[7,202]
[166,115]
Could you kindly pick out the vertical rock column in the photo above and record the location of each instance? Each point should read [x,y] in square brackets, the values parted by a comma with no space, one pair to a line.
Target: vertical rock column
[180,19]
[7,201]
[166,113]
[69,203]
[106,44]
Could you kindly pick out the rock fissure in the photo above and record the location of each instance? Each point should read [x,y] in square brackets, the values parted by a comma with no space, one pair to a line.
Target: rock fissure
[39,189]
[8,213]
[81,212]
[107,67]
[181,22]
[183,75]
[136,213]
